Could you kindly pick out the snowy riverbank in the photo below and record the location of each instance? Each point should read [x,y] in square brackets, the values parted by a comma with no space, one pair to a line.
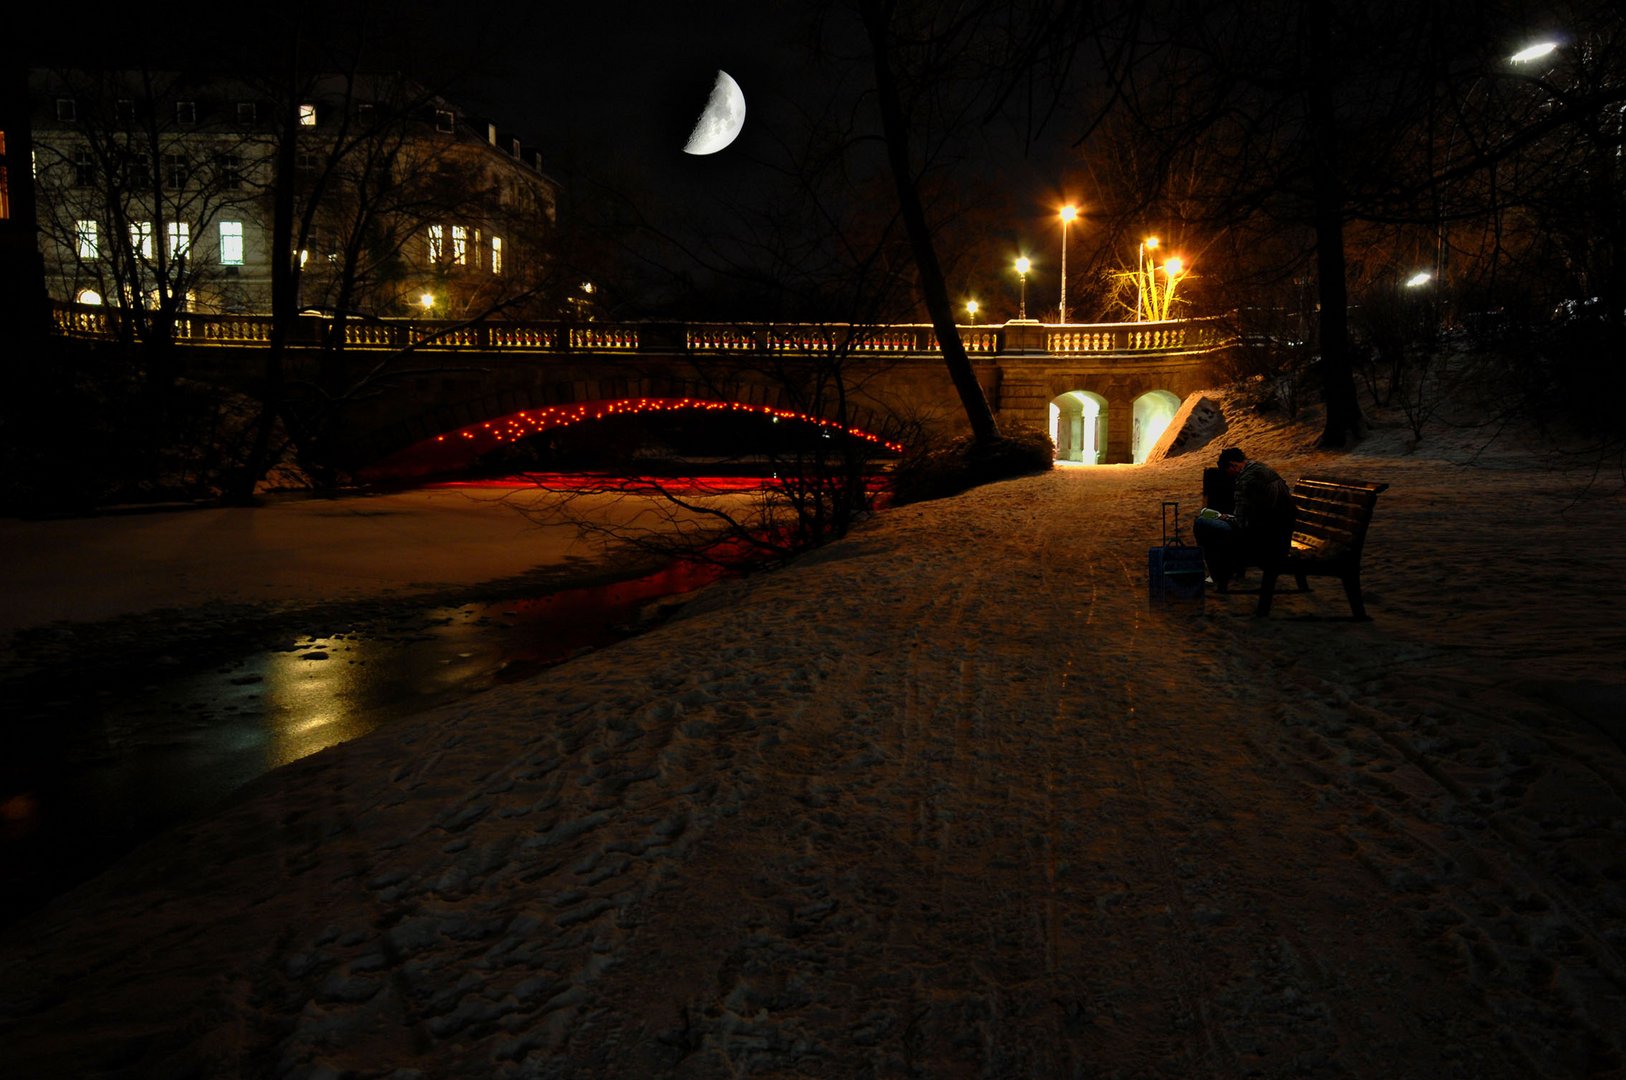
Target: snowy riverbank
[950,797]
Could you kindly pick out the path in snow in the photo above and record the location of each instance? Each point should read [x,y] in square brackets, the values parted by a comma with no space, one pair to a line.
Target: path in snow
[948,798]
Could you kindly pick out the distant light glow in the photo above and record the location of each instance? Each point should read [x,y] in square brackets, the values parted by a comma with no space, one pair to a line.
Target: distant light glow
[426,301]
[1422,277]
[89,296]
[1173,266]
[1069,213]
[1023,264]
[1533,52]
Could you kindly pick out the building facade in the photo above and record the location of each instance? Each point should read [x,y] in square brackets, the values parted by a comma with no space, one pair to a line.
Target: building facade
[168,192]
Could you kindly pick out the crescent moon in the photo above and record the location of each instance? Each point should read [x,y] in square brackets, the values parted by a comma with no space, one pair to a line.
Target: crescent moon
[721,120]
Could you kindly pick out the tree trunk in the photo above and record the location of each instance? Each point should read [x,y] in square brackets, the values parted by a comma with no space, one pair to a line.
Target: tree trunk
[1343,423]
[983,425]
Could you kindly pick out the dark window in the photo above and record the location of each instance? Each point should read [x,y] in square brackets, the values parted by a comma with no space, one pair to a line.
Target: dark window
[137,170]
[307,162]
[229,167]
[186,112]
[124,111]
[84,168]
[177,172]
[67,110]
[445,120]
[247,112]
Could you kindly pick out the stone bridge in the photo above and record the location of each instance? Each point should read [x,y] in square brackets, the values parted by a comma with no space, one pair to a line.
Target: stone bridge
[442,393]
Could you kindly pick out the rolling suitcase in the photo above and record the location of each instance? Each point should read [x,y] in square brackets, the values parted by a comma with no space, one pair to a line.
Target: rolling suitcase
[1174,570]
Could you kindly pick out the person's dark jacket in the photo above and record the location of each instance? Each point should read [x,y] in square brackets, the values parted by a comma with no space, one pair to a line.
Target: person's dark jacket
[1263,508]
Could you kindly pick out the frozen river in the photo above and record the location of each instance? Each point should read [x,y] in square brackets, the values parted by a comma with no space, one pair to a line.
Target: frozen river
[144,712]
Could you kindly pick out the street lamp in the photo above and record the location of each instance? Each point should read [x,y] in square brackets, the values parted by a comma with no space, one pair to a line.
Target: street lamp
[1419,279]
[426,301]
[1022,265]
[1145,284]
[1171,269]
[1068,213]
[1533,52]
[971,310]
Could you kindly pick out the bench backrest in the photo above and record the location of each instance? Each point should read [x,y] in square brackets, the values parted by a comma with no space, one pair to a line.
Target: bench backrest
[1333,514]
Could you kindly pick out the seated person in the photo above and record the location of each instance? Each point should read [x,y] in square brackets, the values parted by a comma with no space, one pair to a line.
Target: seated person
[1259,527]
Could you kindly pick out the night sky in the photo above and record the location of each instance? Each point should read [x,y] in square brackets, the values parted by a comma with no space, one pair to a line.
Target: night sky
[607,92]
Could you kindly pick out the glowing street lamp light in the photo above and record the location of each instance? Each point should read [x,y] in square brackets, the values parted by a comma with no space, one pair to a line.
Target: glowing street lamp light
[971,310]
[1145,283]
[1068,214]
[1533,52]
[1171,270]
[1022,266]
[1419,279]
[426,301]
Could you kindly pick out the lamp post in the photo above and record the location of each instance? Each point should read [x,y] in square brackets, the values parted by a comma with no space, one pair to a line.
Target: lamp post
[1068,213]
[1530,53]
[1171,270]
[971,310]
[1022,265]
[1145,286]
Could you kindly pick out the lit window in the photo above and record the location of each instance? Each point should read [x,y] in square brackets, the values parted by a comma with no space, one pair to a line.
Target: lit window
[180,239]
[247,112]
[231,243]
[89,296]
[141,238]
[186,112]
[496,254]
[437,244]
[86,232]
[460,245]
[84,168]
[67,110]
[445,120]
[307,116]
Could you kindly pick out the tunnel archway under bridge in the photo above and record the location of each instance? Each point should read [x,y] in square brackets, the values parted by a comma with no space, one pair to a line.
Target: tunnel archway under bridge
[1080,422]
[1078,426]
[451,451]
[1153,411]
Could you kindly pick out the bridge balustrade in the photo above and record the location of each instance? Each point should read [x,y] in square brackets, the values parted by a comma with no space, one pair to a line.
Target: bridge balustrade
[1101,339]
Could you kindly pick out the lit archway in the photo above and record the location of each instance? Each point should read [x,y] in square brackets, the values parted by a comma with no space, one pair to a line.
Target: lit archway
[1154,410]
[1078,426]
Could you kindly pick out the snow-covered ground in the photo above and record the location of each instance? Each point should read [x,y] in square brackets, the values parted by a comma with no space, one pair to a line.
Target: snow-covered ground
[951,797]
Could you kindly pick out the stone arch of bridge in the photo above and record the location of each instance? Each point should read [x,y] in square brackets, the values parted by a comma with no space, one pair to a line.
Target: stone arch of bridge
[1152,413]
[446,439]
[1078,426]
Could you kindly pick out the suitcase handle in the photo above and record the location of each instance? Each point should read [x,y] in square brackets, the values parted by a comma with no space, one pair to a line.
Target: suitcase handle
[1176,542]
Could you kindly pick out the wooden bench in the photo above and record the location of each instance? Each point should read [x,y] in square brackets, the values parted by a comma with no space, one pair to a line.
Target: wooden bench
[1328,535]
